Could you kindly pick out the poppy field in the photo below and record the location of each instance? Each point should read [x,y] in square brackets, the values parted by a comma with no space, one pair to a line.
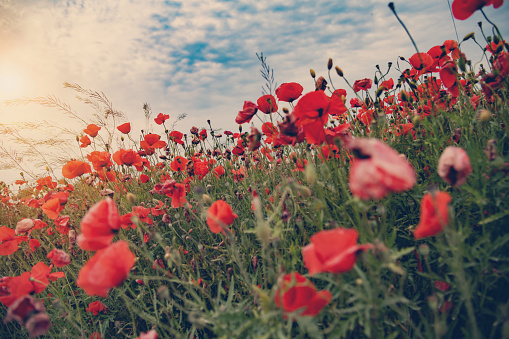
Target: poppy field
[382,215]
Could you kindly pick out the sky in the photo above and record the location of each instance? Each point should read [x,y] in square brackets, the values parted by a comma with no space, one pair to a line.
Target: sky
[199,56]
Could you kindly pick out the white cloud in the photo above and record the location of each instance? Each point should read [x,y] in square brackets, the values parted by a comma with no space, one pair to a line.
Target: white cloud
[198,56]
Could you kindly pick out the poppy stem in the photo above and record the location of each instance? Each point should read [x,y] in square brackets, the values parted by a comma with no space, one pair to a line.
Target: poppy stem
[494,26]
[393,9]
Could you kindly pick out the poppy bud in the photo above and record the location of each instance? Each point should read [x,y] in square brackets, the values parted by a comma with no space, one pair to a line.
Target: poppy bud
[484,115]
[424,250]
[339,71]
[496,39]
[77,138]
[163,293]
[416,121]
[469,36]
[329,64]
[131,198]
[207,199]
[305,191]
[404,96]
[285,110]
[379,91]
[312,72]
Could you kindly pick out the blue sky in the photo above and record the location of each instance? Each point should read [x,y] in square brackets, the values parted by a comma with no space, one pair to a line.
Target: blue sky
[199,56]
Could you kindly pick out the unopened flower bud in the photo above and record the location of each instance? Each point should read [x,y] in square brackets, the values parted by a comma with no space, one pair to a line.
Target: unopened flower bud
[469,36]
[339,71]
[305,191]
[416,121]
[312,72]
[329,64]
[207,199]
[404,96]
[484,115]
[131,198]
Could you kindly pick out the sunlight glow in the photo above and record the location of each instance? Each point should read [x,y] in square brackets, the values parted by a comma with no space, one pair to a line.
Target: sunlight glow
[12,82]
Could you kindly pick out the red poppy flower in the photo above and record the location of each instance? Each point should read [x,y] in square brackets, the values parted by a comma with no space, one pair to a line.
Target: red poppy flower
[333,251]
[30,313]
[219,171]
[52,208]
[75,168]
[108,268]
[220,215]
[434,214]
[248,111]
[267,104]
[160,209]
[161,118]
[85,141]
[421,61]
[45,182]
[201,168]
[100,160]
[125,128]
[59,258]
[41,275]
[454,166]
[99,225]
[448,75]
[463,9]
[142,214]
[178,195]
[378,170]
[96,307]
[203,134]
[152,141]
[92,130]
[363,84]
[387,84]
[33,244]
[8,241]
[144,178]
[24,226]
[16,287]
[295,292]
[63,223]
[127,157]
[176,136]
[289,91]
[126,221]
[178,164]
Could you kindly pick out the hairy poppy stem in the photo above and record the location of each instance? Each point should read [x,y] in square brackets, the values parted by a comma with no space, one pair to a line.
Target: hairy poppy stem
[494,26]
[393,9]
